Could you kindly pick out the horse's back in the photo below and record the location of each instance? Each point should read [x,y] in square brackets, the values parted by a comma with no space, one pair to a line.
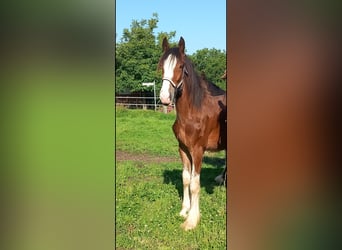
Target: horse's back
[214,90]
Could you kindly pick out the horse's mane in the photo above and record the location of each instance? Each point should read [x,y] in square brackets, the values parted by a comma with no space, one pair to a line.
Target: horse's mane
[194,84]
[198,87]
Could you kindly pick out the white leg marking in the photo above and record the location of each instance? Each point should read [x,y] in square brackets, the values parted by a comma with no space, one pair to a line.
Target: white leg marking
[186,195]
[194,213]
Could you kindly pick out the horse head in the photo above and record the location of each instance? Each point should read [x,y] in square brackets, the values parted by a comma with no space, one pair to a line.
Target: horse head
[173,68]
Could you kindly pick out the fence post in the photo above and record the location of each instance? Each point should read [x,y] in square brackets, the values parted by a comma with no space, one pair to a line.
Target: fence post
[155,98]
[165,109]
[154,91]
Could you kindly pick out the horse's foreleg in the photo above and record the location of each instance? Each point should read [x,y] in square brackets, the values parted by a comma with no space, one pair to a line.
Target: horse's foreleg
[186,193]
[186,175]
[194,213]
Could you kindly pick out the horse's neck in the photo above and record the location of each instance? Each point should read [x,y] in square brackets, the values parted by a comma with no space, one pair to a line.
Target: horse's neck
[183,104]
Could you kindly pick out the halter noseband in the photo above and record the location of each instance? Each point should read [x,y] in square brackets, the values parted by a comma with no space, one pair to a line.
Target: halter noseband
[180,83]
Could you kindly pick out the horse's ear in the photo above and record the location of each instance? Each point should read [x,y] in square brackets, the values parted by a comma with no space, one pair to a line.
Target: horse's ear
[181,45]
[165,44]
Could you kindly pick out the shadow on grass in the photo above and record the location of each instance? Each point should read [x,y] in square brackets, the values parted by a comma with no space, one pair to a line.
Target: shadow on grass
[214,161]
[207,175]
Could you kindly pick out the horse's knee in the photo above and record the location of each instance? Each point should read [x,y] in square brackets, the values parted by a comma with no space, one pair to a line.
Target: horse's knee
[195,184]
[186,177]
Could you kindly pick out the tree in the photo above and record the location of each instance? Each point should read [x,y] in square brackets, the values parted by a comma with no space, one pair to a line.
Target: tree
[137,55]
[212,63]
[138,52]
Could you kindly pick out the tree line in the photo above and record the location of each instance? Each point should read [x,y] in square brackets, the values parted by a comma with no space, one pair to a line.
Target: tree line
[139,49]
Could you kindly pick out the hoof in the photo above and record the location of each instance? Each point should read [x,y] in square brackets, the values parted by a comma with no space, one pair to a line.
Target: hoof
[190,223]
[188,226]
[183,214]
[219,179]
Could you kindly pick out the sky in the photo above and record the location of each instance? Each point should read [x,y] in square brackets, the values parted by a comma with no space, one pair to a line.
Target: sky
[201,23]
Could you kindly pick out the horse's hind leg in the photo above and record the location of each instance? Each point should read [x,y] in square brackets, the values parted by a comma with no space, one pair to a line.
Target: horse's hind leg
[222,178]
[186,175]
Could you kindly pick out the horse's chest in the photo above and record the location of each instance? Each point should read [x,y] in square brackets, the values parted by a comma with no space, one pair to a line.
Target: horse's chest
[189,132]
[204,134]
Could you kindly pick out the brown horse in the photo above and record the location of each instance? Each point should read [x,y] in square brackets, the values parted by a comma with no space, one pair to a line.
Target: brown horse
[200,123]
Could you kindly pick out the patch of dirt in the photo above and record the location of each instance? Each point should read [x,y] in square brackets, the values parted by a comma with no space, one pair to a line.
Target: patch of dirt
[143,158]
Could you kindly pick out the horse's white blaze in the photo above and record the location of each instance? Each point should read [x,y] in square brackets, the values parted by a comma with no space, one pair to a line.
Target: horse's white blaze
[164,93]
[168,67]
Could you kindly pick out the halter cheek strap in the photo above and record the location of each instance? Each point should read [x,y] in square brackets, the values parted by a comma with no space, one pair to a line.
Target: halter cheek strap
[173,84]
[180,83]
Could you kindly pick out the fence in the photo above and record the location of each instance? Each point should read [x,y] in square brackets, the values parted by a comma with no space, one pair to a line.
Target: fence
[137,102]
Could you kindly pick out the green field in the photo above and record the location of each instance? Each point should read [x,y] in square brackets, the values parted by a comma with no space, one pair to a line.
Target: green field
[148,189]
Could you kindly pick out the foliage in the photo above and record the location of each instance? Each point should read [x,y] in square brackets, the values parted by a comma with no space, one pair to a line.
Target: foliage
[138,52]
[212,63]
[137,55]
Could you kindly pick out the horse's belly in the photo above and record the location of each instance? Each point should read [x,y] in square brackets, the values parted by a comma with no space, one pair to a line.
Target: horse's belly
[213,143]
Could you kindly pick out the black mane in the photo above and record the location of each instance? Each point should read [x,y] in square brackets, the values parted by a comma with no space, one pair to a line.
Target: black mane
[215,90]
[198,87]
[194,84]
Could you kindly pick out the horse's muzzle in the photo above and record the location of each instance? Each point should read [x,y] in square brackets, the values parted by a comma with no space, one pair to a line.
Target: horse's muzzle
[165,100]
[165,96]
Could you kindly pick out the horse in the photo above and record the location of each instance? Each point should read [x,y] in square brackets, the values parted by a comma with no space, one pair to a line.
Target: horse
[222,178]
[200,125]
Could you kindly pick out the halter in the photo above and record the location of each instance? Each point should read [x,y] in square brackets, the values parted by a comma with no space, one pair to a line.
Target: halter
[180,83]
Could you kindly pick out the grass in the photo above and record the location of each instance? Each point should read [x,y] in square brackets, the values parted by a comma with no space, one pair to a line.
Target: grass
[144,131]
[148,194]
